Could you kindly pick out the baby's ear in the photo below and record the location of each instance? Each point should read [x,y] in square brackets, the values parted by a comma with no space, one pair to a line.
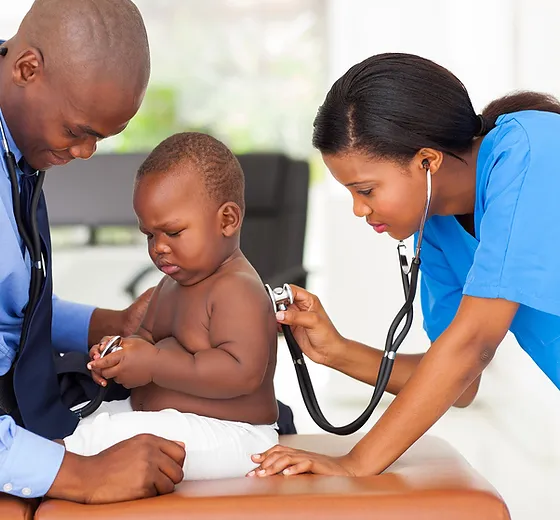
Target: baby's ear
[230,218]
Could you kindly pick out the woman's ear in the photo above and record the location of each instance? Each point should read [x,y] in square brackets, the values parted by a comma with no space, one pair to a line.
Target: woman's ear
[230,218]
[428,158]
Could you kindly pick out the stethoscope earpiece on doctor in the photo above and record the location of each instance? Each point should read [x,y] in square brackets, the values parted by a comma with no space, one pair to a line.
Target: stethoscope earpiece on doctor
[282,297]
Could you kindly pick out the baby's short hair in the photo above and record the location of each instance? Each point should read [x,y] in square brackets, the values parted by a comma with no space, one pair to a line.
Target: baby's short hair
[220,170]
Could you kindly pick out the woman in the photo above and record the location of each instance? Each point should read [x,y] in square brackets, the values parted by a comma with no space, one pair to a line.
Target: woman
[488,264]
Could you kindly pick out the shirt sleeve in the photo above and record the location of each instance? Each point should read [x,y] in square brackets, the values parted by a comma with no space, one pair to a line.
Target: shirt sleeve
[440,291]
[517,257]
[70,326]
[28,463]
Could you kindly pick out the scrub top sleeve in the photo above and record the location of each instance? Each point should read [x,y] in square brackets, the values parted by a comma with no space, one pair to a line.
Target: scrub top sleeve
[440,292]
[517,257]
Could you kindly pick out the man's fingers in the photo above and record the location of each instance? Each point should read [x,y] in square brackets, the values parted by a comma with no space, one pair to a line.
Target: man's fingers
[174,450]
[170,468]
[163,484]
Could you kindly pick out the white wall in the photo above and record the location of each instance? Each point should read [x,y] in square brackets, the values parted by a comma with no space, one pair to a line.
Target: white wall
[511,432]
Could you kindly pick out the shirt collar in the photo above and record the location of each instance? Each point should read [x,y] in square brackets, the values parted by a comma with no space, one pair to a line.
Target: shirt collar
[11,143]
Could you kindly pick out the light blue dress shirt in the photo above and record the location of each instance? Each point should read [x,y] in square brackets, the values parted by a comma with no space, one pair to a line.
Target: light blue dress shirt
[28,463]
[514,253]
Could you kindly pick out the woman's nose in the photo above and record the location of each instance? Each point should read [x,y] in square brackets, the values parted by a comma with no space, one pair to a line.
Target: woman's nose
[360,208]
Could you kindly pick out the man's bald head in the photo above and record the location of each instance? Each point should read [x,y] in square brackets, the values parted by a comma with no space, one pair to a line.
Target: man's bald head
[88,38]
[75,72]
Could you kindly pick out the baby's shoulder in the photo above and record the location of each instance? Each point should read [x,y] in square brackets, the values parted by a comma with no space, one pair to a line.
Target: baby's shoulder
[239,286]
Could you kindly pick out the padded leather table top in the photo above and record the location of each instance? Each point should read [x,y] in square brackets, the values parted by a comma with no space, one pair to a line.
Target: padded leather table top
[430,481]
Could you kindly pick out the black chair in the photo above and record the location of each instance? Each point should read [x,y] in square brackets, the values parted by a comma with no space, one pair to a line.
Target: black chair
[98,193]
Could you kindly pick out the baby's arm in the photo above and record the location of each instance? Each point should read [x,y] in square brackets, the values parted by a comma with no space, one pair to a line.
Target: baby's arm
[241,324]
[147,325]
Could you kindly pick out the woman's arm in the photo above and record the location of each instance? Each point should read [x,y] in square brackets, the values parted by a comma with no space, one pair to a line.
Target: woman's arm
[449,367]
[361,362]
[455,360]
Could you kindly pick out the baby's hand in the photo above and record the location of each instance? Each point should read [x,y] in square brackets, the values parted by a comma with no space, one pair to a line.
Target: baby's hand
[131,366]
[95,353]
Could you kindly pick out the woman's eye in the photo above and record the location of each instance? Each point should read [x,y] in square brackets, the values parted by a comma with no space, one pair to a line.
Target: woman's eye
[365,192]
[71,134]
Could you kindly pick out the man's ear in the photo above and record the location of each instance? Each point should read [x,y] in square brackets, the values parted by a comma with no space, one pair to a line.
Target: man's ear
[230,218]
[28,66]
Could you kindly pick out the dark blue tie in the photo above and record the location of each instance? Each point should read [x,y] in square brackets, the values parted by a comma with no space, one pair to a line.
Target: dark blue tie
[35,380]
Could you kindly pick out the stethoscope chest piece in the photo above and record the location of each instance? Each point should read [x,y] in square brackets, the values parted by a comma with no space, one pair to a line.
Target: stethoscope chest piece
[280,297]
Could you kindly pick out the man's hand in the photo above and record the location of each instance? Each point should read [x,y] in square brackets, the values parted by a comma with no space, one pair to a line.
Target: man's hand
[131,367]
[141,467]
[105,322]
[135,313]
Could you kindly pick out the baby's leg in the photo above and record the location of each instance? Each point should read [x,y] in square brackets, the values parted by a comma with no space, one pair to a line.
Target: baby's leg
[111,423]
[215,449]
[222,449]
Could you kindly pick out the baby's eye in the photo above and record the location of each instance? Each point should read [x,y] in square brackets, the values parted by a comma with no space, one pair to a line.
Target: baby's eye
[365,192]
[174,234]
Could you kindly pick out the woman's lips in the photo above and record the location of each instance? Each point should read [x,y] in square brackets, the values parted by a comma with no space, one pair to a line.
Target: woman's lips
[379,228]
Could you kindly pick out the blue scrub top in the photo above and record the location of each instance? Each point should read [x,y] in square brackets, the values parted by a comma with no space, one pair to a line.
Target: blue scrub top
[515,254]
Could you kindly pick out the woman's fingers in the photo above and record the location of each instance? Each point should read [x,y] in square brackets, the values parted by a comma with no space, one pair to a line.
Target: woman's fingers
[305,319]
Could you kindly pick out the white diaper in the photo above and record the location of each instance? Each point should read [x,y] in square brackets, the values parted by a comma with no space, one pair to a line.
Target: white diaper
[215,448]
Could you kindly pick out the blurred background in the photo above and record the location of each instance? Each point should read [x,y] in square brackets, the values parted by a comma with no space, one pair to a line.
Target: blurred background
[253,73]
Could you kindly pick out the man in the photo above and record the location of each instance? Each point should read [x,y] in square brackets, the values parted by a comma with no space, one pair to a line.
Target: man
[75,73]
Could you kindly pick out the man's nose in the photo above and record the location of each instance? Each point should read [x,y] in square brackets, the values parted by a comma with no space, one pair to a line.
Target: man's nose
[84,150]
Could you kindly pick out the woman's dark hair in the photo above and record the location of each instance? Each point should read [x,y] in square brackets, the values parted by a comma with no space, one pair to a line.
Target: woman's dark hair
[392,105]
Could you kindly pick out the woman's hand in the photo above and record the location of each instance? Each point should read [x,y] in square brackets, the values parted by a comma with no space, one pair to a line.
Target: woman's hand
[289,461]
[312,328]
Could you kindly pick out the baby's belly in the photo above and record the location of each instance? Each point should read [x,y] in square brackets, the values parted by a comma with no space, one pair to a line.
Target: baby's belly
[257,408]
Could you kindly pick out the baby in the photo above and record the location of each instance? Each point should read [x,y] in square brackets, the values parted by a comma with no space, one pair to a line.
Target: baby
[201,366]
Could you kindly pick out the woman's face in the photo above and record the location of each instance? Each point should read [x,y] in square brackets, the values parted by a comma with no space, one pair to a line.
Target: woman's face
[390,196]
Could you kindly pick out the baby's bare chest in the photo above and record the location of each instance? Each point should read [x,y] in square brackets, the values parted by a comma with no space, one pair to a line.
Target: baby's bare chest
[183,313]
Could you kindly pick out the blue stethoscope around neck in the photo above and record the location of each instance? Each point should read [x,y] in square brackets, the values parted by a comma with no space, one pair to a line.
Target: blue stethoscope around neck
[282,297]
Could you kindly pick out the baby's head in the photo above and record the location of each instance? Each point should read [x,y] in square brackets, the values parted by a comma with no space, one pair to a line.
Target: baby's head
[189,199]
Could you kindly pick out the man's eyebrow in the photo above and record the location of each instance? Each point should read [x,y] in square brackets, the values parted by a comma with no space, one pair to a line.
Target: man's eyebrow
[88,130]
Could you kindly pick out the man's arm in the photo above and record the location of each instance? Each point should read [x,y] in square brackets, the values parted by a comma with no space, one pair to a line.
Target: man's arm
[78,327]
[28,463]
[241,324]
[70,325]
[31,466]
[454,361]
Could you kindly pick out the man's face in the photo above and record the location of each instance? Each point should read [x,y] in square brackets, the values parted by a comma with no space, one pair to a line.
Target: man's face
[64,120]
